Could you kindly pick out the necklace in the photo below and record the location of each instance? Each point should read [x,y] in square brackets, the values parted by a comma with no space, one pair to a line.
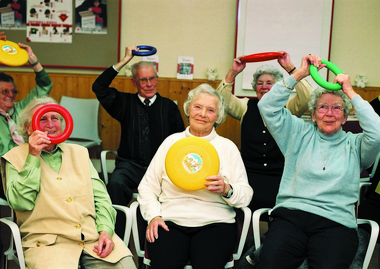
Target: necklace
[323,161]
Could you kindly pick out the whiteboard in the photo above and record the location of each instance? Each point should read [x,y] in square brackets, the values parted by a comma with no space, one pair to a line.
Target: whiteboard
[299,27]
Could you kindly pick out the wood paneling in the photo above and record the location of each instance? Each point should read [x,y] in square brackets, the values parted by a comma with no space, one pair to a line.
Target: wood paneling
[80,86]
[175,89]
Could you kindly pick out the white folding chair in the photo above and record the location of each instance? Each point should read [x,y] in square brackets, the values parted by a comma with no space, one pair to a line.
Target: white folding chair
[9,254]
[108,165]
[365,182]
[85,114]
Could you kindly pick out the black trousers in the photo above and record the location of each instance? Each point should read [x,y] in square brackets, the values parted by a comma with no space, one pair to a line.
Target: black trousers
[208,247]
[123,182]
[294,235]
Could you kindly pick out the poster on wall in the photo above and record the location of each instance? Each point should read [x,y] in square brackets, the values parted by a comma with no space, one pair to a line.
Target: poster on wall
[289,30]
[49,21]
[185,67]
[154,59]
[13,14]
[91,16]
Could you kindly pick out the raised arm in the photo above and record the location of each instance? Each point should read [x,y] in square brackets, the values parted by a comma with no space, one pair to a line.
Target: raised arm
[297,105]
[236,107]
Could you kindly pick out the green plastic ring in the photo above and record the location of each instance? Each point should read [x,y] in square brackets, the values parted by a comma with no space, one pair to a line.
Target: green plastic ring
[323,83]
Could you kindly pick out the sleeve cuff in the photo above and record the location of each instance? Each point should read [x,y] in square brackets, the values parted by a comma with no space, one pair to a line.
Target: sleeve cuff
[291,82]
[33,161]
[225,83]
[105,228]
[115,68]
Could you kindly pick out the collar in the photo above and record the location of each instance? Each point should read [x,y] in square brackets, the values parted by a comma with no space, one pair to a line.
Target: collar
[58,147]
[332,138]
[151,99]
[208,137]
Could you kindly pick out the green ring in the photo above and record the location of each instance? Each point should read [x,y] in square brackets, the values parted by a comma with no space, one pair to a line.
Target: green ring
[323,83]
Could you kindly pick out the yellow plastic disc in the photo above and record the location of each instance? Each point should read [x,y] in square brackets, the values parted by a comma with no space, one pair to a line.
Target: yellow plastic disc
[189,161]
[11,54]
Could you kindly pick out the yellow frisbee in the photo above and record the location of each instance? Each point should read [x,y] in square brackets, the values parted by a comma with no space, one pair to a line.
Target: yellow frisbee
[11,54]
[189,161]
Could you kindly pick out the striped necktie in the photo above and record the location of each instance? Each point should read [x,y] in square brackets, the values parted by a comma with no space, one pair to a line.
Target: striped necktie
[146,101]
[12,127]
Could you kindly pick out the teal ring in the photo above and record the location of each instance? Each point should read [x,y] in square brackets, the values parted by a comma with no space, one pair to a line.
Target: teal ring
[323,83]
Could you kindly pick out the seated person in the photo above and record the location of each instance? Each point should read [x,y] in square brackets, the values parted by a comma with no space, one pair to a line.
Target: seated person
[261,156]
[9,109]
[63,210]
[146,119]
[196,225]
[314,216]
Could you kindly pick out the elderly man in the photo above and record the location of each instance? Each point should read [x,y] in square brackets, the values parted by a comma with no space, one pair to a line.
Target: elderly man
[146,119]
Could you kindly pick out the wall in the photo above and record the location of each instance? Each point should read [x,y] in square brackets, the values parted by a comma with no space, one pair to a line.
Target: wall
[356,38]
[205,29]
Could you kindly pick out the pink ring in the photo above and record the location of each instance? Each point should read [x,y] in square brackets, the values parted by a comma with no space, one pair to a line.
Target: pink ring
[65,114]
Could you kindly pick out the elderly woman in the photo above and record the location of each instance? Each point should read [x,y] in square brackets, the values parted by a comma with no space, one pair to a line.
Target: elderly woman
[262,157]
[314,216]
[199,225]
[63,210]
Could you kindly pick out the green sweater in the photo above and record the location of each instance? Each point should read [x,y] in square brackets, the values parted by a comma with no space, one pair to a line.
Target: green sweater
[305,186]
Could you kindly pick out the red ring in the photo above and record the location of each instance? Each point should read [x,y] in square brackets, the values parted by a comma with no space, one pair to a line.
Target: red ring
[61,110]
[259,57]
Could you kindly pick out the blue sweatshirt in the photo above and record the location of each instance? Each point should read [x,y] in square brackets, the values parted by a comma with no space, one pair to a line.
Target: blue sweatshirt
[330,193]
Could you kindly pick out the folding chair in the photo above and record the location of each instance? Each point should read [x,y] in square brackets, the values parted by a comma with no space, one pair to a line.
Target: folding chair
[108,165]
[85,116]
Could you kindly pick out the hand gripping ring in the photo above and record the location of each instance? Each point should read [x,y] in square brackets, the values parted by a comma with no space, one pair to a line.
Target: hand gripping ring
[323,83]
[65,114]
[151,51]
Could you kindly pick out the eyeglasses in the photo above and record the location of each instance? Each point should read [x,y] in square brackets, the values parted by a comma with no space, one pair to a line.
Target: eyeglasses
[7,92]
[335,109]
[145,81]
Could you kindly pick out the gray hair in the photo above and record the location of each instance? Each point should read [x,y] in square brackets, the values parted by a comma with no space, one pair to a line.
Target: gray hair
[315,95]
[25,117]
[206,88]
[266,69]
[140,65]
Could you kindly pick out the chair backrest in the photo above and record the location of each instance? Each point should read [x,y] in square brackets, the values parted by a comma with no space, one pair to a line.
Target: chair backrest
[366,182]
[374,168]
[85,114]
[107,165]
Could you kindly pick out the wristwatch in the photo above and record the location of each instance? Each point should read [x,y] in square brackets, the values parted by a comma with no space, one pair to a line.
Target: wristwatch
[229,193]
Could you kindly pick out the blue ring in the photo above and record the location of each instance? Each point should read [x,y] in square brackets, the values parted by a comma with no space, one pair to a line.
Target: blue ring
[151,51]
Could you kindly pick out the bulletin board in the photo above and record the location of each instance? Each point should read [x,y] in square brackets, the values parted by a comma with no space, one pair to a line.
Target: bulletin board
[87,51]
[299,27]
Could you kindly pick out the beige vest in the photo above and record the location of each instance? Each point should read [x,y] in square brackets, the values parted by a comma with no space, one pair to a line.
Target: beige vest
[64,214]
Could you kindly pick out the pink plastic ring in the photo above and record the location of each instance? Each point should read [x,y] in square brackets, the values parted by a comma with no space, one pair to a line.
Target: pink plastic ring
[65,114]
